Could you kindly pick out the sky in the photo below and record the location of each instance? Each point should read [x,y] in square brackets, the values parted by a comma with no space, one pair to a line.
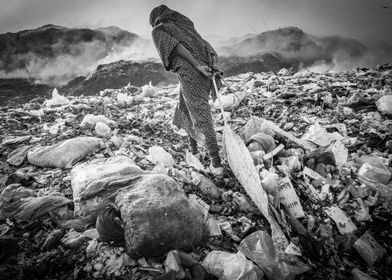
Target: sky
[358,19]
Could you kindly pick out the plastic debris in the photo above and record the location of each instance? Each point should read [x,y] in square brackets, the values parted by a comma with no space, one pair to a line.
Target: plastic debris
[344,223]
[227,266]
[158,154]
[384,104]
[289,198]
[57,99]
[90,120]
[101,129]
[124,100]
[370,250]
[193,161]
[149,90]
[64,154]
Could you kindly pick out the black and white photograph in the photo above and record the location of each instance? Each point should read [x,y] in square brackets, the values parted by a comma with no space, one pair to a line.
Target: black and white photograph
[196,139]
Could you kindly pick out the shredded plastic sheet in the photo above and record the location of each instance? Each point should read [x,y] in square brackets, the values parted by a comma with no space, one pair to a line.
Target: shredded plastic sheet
[241,164]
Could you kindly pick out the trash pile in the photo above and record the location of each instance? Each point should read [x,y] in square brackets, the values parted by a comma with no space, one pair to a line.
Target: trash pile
[103,187]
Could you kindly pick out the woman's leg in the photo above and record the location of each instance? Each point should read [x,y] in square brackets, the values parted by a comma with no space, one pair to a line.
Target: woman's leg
[193,145]
[195,91]
[211,143]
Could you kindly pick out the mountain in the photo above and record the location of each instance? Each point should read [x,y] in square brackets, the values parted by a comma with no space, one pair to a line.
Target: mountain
[117,75]
[297,46]
[55,54]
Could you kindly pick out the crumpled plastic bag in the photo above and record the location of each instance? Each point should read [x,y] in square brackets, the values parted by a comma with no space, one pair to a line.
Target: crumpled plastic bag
[384,104]
[57,99]
[158,154]
[319,135]
[252,127]
[90,120]
[227,101]
[259,248]
[124,100]
[149,90]
[374,173]
[101,129]
[266,141]
[228,266]
[193,161]
[22,204]
[64,154]
[96,177]
[269,181]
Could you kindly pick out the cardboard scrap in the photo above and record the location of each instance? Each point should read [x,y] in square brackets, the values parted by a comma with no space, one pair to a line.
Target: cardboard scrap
[369,249]
[344,223]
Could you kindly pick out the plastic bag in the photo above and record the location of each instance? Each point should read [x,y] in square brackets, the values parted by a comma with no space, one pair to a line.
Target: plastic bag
[149,90]
[102,129]
[259,248]
[193,161]
[158,154]
[64,154]
[384,104]
[91,120]
[57,99]
[227,266]
[124,100]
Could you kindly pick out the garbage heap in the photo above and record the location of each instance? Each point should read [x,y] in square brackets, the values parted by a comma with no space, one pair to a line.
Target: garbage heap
[103,187]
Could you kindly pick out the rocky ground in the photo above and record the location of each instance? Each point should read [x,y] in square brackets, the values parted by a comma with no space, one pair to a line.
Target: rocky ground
[350,108]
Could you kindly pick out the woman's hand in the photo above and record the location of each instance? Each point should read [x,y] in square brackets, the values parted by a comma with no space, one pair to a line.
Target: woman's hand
[216,68]
[205,70]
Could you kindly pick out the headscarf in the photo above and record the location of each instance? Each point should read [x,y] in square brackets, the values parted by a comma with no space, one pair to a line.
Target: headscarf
[163,13]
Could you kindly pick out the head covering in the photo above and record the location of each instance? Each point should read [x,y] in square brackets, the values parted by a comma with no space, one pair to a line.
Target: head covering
[163,13]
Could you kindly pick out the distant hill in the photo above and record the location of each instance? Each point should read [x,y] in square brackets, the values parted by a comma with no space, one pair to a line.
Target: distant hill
[56,54]
[297,46]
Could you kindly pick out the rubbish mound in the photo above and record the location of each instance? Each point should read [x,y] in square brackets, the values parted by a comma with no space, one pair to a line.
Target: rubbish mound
[102,187]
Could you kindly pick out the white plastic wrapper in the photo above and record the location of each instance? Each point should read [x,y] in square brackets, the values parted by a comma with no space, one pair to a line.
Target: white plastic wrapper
[57,99]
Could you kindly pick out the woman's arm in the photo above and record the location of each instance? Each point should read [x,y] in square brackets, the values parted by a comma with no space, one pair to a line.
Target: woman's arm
[185,54]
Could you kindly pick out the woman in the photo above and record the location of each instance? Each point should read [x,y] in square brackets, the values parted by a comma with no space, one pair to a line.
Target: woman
[184,51]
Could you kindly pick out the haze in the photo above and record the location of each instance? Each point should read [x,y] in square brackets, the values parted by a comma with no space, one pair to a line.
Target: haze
[359,19]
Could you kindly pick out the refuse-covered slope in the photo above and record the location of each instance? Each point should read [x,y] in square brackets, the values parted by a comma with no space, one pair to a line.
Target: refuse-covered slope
[350,178]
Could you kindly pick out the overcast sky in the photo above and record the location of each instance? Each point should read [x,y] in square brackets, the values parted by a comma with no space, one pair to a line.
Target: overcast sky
[359,19]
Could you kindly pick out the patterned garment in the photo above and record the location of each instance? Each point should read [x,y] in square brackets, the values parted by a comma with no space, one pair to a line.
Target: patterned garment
[193,112]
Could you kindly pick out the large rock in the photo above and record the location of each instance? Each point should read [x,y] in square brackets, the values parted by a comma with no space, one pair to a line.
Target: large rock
[64,154]
[157,215]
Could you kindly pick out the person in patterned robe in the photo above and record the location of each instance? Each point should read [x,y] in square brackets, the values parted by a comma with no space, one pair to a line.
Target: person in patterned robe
[183,51]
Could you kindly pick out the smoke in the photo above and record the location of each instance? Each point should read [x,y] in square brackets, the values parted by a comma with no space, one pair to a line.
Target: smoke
[66,61]
[309,52]
[59,62]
